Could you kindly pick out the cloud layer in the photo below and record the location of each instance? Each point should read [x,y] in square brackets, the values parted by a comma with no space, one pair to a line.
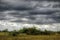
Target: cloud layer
[30,11]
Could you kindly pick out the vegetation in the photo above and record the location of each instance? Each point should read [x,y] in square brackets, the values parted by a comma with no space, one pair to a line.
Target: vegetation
[6,30]
[29,34]
[30,31]
[31,37]
[13,33]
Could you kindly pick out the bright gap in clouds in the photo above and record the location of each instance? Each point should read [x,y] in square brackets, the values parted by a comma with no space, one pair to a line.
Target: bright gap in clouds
[16,26]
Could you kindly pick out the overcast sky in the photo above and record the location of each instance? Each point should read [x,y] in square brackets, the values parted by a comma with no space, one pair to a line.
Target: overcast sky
[32,12]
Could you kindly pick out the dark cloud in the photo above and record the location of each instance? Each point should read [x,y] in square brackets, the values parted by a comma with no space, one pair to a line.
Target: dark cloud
[16,5]
[25,17]
[34,12]
[8,7]
[43,0]
[29,12]
[26,5]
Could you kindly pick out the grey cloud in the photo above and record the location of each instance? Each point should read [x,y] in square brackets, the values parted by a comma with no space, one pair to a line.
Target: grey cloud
[17,5]
[32,12]
[43,0]
[39,18]
[56,6]
[42,19]
[26,5]
[29,11]
[25,17]
[4,16]
[56,16]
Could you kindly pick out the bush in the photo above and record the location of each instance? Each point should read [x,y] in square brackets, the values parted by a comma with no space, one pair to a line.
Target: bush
[6,30]
[13,33]
[58,32]
[24,30]
[30,31]
[34,31]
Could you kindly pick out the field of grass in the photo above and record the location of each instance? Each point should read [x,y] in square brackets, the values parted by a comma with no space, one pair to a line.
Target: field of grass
[5,36]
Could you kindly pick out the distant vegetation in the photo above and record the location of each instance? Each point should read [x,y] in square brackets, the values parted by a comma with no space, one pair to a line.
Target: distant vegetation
[30,31]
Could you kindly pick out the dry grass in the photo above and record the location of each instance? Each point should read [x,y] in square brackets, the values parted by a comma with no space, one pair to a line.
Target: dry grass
[3,36]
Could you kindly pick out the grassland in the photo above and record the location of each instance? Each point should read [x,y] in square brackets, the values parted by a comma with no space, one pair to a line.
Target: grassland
[6,36]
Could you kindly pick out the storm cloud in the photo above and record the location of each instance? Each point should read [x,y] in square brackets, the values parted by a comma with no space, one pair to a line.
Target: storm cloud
[34,12]
[30,11]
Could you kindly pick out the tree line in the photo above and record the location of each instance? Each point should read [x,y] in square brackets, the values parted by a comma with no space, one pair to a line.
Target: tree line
[31,31]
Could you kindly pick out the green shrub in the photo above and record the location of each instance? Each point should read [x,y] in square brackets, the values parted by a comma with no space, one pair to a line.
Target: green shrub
[6,30]
[30,31]
[13,33]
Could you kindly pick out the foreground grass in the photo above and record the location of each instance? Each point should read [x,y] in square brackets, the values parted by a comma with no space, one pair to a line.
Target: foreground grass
[5,36]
